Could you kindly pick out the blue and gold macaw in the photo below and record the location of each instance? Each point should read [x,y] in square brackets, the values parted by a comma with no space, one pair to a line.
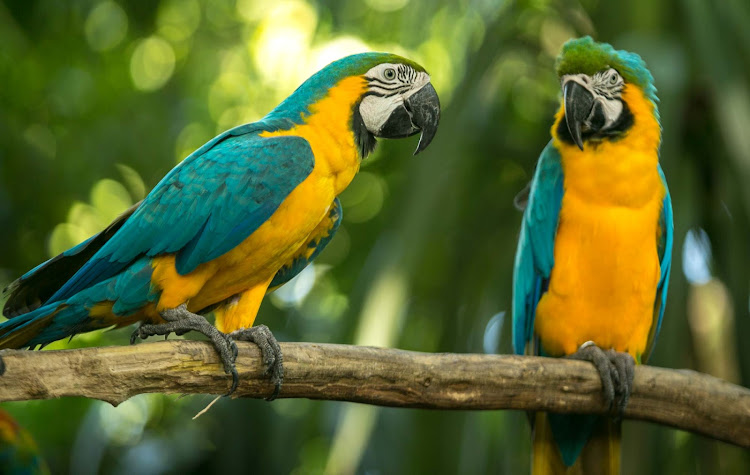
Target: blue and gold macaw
[594,254]
[241,215]
[19,454]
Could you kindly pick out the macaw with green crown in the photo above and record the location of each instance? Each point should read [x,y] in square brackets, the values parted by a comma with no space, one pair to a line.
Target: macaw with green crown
[594,254]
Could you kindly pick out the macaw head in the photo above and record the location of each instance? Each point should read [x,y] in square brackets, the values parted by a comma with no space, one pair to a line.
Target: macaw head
[387,96]
[596,81]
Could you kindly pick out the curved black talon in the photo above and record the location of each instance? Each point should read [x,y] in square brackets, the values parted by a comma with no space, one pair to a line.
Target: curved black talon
[180,321]
[270,352]
[625,365]
[616,371]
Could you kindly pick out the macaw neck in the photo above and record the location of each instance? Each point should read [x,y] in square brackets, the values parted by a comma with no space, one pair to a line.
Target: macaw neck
[327,126]
[620,171]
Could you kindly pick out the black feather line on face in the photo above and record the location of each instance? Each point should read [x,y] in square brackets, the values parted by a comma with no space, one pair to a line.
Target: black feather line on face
[380,83]
[397,87]
[364,139]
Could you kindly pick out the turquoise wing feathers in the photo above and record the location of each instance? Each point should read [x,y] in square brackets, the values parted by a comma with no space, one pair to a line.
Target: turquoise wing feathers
[205,206]
[666,240]
[536,245]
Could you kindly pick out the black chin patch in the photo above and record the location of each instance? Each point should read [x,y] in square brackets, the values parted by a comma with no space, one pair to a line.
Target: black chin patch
[623,123]
[362,137]
[598,119]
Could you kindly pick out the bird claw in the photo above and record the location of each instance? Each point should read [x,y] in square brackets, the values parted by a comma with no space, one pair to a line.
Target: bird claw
[180,321]
[270,352]
[616,370]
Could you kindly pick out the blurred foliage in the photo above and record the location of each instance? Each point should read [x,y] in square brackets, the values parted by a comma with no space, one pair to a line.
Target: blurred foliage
[99,99]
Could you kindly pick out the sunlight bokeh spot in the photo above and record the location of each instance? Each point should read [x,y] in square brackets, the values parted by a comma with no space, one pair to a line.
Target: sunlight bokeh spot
[554,33]
[364,197]
[324,304]
[234,116]
[696,256]
[152,64]
[229,89]
[291,408]
[508,69]
[109,198]
[436,59]
[332,306]
[251,11]
[386,6]
[235,60]
[336,49]
[106,26]
[281,39]
[177,20]
[294,292]
[133,180]
[64,236]
[125,423]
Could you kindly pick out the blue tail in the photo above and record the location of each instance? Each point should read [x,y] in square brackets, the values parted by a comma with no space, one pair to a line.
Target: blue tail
[42,326]
[566,444]
[127,293]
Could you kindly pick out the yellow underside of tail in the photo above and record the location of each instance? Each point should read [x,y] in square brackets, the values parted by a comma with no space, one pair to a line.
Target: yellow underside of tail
[600,455]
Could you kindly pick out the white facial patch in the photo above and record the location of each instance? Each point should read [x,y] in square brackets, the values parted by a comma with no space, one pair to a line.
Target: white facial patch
[612,110]
[606,87]
[389,86]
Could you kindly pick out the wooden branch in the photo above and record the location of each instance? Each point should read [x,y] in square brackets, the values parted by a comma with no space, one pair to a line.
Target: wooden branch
[679,398]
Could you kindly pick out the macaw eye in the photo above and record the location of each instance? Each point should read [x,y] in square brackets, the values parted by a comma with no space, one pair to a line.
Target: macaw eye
[389,74]
[614,78]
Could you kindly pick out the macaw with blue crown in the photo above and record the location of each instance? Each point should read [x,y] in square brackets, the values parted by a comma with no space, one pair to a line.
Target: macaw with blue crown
[240,216]
[594,253]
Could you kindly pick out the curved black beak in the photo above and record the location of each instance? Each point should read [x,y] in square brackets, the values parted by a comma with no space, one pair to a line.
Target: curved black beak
[419,113]
[578,102]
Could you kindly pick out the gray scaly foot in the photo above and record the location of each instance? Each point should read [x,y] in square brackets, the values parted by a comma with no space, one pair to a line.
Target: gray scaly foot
[179,320]
[616,371]
[270,351]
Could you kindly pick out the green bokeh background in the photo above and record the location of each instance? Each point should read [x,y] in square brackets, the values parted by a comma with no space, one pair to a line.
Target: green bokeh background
[99,99]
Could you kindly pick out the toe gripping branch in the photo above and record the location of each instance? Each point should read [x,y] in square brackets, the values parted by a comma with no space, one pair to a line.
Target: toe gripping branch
[616,370]
[270,351]
[179,321]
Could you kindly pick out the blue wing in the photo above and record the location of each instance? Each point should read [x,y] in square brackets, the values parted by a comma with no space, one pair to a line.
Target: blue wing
[205,206]
[536,244]
[666,228]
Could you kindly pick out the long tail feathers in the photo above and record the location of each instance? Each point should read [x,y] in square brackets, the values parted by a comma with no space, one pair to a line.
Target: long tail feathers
[600,455]
[19,331]
[49,323]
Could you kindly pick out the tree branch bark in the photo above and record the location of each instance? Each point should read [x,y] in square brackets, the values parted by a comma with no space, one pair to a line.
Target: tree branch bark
[682,399]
